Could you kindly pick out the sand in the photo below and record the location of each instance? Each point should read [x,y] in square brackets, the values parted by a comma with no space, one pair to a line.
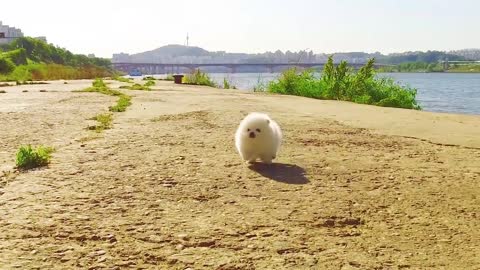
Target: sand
[354,186]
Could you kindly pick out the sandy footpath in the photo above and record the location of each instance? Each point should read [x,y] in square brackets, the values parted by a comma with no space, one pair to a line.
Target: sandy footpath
[354,186]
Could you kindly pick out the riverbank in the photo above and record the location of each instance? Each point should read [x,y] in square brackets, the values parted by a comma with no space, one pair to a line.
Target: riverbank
[353,186]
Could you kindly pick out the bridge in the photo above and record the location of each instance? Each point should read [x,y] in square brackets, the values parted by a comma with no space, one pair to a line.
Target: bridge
[163,68]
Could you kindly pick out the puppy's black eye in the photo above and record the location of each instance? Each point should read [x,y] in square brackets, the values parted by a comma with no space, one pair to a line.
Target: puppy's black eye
[258,130]
[248,130]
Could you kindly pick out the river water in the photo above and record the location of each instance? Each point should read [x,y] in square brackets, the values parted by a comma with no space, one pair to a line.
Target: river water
[436,92]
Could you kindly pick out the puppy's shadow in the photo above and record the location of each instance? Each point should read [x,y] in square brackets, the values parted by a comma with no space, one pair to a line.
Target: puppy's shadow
[285,173]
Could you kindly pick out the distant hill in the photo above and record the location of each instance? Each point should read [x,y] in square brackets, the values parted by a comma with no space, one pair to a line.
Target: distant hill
[189,54]
[165,53]
[174,51]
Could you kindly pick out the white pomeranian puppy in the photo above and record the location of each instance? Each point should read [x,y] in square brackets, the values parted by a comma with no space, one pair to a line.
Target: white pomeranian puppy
[258,137]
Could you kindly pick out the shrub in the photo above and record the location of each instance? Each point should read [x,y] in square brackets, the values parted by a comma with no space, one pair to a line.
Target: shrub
[6,65]
[36,71]
[28,157]
[198,78]
[340,83]
[17,56]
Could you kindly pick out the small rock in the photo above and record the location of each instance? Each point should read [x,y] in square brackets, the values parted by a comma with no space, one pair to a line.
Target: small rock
[352,221]
[329,223]
[102,259]
[207,243]
[183,236]
[179,247]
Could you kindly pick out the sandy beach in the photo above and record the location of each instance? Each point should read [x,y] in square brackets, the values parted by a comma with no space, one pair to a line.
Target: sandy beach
[354,186]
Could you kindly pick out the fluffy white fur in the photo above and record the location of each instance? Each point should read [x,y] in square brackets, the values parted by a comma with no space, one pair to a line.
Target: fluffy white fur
[258,137]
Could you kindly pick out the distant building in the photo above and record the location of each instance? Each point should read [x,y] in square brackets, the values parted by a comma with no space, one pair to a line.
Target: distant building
[7,33]
[42,38]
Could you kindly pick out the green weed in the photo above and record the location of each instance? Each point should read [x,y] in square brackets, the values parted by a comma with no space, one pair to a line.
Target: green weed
[122,103]
[99,86]
[104,122]
[29,157]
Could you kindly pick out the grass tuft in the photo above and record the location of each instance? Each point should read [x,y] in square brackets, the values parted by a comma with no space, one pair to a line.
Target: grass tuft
[104,122]
[123,79]
[122,103]
[227,84]
[29,157]
[149,83]
[139,87]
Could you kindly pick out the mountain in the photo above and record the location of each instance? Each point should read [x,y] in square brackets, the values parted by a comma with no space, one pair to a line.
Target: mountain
[162,54]
[174,51]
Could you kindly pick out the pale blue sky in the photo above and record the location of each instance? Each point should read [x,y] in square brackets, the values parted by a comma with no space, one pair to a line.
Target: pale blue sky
[107,26]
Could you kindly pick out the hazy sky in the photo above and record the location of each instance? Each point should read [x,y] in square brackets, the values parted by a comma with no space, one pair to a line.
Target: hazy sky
[104,27]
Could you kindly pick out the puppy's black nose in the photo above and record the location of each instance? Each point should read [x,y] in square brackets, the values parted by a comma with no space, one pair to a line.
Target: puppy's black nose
[252,135]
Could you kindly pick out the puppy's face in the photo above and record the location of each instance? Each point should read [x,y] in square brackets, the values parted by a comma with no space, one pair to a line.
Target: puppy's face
[256,128]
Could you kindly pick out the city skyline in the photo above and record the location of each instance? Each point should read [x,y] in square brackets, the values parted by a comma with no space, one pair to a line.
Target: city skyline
[107,27]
